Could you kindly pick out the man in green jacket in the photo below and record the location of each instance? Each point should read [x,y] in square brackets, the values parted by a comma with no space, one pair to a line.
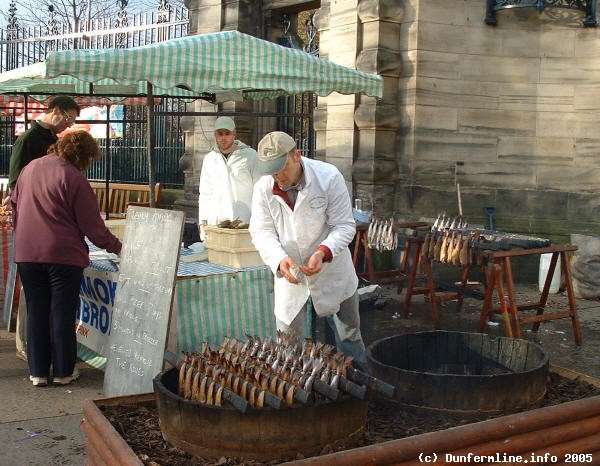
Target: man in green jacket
[33,143]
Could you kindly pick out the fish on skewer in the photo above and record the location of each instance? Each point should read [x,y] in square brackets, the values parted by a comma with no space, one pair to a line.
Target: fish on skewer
[455,254]
[464,255]
[436,222]
[241,369]
[432,243]
[181,382]
[444,249]
[425,246]
[438,246]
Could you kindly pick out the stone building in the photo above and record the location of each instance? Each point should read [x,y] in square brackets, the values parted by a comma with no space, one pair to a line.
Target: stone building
[507,112]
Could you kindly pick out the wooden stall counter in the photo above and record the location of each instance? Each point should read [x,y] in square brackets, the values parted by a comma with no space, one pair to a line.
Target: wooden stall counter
[210,302]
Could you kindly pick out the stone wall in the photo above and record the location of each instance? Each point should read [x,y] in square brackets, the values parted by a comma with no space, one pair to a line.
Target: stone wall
[510,113]
[357,133]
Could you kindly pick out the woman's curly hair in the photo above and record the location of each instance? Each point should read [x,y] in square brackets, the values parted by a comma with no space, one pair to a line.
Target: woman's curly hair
[77,147]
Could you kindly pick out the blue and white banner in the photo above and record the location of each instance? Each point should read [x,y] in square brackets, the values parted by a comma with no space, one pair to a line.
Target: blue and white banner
[97,299]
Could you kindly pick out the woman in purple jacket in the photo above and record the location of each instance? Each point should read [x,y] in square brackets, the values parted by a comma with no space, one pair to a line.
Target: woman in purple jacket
[54,210]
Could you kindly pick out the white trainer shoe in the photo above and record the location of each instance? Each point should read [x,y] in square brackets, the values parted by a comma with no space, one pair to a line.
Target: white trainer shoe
[68,379]
[38,381]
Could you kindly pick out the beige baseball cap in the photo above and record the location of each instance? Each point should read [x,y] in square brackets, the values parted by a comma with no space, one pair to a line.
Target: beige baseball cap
[273,150]
[224,123]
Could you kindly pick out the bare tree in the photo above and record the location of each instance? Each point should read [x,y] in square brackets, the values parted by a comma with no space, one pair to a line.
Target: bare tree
[77,15]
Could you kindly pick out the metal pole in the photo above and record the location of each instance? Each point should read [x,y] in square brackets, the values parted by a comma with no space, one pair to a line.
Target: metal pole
[107,164]
[150,141]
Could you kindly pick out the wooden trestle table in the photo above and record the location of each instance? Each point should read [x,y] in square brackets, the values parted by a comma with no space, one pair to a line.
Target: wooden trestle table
[500,275]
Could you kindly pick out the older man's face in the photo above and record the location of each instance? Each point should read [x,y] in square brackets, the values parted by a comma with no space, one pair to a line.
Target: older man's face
[291,172]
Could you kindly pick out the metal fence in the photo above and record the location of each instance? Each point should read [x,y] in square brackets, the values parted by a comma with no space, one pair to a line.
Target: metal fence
[21,46]
[127,155]
[126,159]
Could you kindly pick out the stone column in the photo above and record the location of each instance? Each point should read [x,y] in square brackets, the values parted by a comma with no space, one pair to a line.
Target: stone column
[375,168]
[358,133]
[207,16]
[338,26]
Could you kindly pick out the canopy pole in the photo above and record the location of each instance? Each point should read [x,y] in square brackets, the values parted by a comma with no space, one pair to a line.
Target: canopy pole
[107,164]
[150,140]
[26,113]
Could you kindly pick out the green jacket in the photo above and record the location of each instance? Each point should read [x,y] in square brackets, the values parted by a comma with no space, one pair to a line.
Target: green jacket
[31,145]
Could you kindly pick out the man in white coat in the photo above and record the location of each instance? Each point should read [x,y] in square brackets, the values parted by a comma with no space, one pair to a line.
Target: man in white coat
[301,225]
[227,178]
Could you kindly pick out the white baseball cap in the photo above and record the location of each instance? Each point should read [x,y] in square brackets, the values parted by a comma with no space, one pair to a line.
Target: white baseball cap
[224,123]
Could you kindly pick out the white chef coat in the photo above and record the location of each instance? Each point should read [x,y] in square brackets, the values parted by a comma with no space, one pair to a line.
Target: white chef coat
[226,184]
[322,215]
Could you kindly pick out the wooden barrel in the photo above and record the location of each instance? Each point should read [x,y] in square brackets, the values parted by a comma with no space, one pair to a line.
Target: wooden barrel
[463,372]
[260,433]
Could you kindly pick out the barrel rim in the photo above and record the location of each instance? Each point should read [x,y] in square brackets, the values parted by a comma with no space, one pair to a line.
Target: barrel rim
[545,361]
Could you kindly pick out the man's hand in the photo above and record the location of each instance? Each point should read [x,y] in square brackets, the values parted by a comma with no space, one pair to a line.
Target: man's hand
[314,265]
[6,202]
[287,269]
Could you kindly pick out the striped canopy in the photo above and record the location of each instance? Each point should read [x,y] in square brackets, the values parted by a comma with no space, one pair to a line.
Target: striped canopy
[11,104]
[226,65]
[32,80]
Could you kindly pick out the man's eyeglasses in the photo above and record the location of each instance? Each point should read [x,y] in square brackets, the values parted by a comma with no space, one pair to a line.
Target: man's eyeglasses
[68,117]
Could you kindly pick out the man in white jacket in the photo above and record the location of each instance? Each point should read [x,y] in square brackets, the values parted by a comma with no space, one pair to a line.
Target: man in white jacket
[227,178]
[301,225]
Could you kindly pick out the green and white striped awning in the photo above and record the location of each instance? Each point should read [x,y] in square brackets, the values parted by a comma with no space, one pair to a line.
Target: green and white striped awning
[228,65]
[31,80]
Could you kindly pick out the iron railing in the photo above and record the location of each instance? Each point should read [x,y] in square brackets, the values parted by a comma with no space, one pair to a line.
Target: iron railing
[21,46]
[126,157]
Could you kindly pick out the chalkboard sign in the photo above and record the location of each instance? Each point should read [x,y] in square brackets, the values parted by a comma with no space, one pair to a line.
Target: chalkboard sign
[143,299]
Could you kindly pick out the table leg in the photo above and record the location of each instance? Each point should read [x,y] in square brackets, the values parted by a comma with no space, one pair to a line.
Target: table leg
[361,240]
[431,285]
[404,263]
[566,269]
[369,260]
[416,263]
[510,289]
[486,310]
[357,241]
[505,314]
[546,290]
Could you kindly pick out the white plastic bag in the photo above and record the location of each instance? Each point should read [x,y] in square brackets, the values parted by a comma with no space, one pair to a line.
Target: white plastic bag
[585,266]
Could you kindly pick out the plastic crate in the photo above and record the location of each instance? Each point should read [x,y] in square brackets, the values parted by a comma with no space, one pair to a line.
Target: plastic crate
[236,258]
[228,238]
